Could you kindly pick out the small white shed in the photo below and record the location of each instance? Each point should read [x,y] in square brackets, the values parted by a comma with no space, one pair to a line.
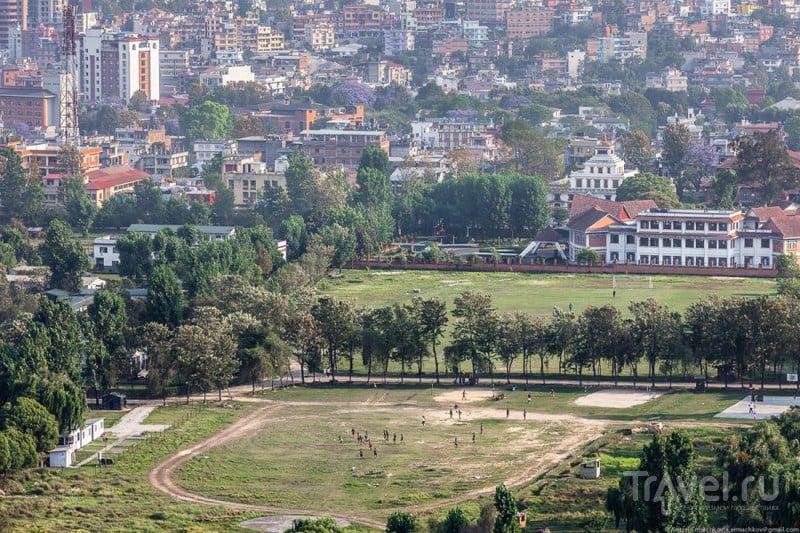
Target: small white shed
[62,456]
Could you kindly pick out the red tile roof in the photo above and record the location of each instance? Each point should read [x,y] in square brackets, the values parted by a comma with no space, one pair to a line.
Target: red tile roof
[113,176]
[788,227]
[765,213]
[621,210]
[586,221]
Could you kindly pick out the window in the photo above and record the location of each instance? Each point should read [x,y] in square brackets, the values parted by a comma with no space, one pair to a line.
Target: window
[676,243]
[690,261]
[666,243]
[615,239]
[666,224]
[630,239]
[689,226]
[712,243]
[644,224]
[712,261]
[230,184]
[653,259]
[578,183]
[615,183]
[643,241]
[654,224]
[667,260]
[690,243]
[676,260]
[723,244]
[792,244]
[765,243]
[699,261]
[723,226]
[700,226]
[676,226]
[748,243]
[103,249]
[712,226]
[654,242]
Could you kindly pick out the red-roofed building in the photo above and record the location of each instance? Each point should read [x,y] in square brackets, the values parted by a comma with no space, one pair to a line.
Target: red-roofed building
[588,230]
[104,183]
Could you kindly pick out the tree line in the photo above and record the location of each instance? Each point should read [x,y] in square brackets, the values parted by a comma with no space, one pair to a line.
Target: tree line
[755,481]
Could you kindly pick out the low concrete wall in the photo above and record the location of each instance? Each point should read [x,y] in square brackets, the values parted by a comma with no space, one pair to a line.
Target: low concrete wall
[577,269]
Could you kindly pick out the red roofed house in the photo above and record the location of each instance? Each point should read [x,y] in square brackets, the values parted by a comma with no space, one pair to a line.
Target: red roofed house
[588,230]
[622,210]
[104,183]
[785,235]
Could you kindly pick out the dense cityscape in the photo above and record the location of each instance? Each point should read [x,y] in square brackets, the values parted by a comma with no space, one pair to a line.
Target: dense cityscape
[549,249]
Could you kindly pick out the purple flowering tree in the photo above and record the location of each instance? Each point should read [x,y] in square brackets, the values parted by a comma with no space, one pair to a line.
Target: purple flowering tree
[353,93]
[462,115]
[699,162]
[20,128]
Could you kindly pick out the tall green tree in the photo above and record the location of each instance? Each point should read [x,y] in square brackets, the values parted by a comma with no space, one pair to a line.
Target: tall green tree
[22,195]
[64,255]
[80,209]
[70,161]
[506,520]
[762,159]
[476,328]
[656,332]
[30,417]
[401,522]
[431,314]
[667,497]
[165,297]
[208,120]
[676,142]
[531,153]
[648,187]
[638,151]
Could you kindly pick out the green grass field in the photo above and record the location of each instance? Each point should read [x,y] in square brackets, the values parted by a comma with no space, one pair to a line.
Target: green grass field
[117,498]
[297,456]
[537,293]
[296,461]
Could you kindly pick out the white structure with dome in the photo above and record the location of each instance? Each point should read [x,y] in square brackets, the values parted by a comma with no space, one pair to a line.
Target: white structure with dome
[601,174]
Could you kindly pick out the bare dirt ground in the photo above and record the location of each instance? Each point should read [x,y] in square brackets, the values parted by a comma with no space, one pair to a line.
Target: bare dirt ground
[617,398]
[528,429]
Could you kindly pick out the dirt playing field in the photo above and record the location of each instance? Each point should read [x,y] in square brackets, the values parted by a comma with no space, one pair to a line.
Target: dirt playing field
[617,398]
[255,464]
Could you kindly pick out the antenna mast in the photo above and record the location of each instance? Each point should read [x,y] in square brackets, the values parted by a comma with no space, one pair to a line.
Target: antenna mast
[68,97]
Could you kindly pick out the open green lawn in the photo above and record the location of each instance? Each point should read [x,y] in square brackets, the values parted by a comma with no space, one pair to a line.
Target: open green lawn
[116,498]
[537,293]
[563,501]
[297,457]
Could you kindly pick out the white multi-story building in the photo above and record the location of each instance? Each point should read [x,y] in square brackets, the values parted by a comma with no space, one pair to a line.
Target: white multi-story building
[205,150]
[622,46]
[602,173]
[397,42]
[669,79]
[320,36]
[105,254]
[224,75]
[715,7]
[118,64]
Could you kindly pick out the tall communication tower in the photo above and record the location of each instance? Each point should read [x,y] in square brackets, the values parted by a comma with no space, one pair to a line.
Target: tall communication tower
[68,93]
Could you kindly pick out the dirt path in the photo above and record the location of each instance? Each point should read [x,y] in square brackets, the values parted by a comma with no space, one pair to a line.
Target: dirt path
[160,476]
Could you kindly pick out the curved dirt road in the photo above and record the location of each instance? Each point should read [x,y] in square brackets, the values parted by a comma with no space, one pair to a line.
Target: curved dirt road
[160,476]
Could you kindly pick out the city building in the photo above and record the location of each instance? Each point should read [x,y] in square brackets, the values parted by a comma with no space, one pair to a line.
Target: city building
[35,107]
[601,174]
[668,79]
[340,148]
[13,16]
[225,75]
[524,22]
[118,64]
